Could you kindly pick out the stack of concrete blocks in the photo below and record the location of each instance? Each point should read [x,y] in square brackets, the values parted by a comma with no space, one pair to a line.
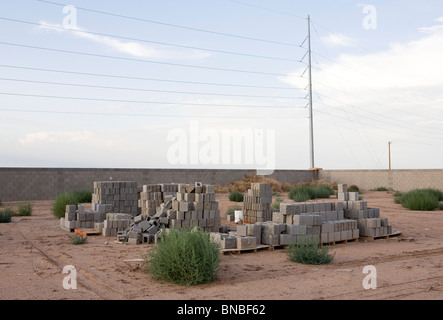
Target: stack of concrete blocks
[325,220]
[121,195]
[369,222]
[81,218]
[116,222]
[143,229]
[168,190]
[151,197]
[257,203]
[195,205]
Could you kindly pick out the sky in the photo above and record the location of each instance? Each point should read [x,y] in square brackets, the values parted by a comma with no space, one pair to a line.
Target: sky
[221,84]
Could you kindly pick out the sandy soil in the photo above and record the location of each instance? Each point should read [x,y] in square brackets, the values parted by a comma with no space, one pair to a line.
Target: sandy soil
[34,251]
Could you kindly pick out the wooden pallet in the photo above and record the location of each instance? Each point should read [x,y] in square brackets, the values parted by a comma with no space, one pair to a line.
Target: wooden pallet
[238,251]
[371,239]
[333,243]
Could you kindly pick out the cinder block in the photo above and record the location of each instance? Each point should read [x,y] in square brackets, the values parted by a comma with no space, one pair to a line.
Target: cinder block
[353,196]
[270,239]
[229,243]
[295,229]
[242,230]
[343,196]
[313,230]
[247,242]
[287,239]
[71,208]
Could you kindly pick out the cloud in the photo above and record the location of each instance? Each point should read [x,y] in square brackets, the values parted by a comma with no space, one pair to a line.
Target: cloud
[51,137]
[338,40]
[131,48]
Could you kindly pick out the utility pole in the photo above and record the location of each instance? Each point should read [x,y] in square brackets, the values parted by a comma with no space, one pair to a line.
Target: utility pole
[389,149]
[311,120]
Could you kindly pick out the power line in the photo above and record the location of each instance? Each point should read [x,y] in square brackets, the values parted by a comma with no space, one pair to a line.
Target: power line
[142,114]
[154,42]
[268,9]
[145,102]
[145,79]
[174,25]
[142,60]
[146,90]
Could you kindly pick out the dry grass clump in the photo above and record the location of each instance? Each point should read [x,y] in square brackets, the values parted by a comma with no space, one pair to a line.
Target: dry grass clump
[276,186]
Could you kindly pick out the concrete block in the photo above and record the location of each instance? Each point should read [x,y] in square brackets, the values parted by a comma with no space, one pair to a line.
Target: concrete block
[355,233]
[71,208]
[353,196]
[270,239]
[343,196]
[295,229]
[247,242]
[242,230]
[229,242]
[342,188]
[310,230]
[287,239]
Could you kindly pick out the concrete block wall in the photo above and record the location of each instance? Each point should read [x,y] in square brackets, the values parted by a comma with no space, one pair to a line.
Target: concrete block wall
[22,184]
[397,180]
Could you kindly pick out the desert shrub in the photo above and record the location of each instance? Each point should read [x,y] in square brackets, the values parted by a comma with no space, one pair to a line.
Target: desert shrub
[303,193]
[322,192]
[236,196]
[420,199]
[185,257]
[77,238]
[74,198]
[24,209]
[232,209]
[380,189]
[82,196]
[301,197]
[61,201]
[276,203]
[308,251]
[6,215]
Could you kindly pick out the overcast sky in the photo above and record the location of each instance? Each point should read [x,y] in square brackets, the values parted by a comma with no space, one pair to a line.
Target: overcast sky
[220,84]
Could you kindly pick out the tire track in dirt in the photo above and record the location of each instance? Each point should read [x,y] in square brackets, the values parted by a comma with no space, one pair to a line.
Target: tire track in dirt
[391,258]
[392,291]
[101,289]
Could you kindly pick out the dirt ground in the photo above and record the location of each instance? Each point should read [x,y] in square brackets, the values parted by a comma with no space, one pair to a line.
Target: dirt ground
[34,251]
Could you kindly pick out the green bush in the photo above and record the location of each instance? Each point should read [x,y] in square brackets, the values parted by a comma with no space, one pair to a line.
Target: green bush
[420,199]
[77,238]
[61,201]
[6,215]
[73,198]
[236,196]
[308,251]
[185,257]
[24,209]
[304,192]
[380,189]
[82,196]
[276,204]
[232,209]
